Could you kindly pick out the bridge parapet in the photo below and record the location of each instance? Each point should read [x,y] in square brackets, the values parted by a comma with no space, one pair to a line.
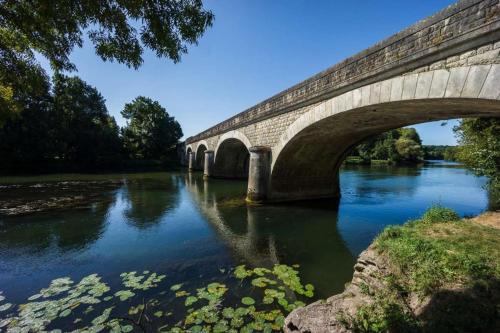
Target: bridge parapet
[459,28]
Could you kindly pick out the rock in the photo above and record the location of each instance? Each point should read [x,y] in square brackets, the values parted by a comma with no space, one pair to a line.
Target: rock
[325,316]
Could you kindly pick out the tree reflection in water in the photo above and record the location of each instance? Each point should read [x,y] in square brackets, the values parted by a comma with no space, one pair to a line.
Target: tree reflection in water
[149,199]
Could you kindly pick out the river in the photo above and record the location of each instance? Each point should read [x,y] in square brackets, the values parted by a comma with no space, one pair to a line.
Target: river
[195,231]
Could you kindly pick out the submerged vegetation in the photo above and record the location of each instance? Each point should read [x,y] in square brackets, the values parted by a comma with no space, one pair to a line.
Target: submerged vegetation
[445,277]
[90,305]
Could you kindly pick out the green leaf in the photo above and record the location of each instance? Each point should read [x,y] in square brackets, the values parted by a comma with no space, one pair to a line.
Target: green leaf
[248,300]
[124,294]
[5,307]
[65,313]
[190,300]
[176,287]
[127,328]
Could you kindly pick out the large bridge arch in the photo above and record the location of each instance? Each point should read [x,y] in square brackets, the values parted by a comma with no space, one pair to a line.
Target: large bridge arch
[232,156]
[308,155]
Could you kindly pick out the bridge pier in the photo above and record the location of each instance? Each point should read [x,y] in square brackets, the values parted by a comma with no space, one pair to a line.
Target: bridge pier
[209,164]
[191,161]
[258,174]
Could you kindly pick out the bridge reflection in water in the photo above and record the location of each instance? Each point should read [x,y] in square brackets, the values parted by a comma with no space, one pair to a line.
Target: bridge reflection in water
[263,236]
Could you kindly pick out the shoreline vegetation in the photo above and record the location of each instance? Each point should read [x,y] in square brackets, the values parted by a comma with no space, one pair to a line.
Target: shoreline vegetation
[438,273]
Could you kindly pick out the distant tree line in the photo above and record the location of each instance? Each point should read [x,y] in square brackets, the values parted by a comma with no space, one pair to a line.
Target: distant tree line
[440,152]
[401,145]
[68,128]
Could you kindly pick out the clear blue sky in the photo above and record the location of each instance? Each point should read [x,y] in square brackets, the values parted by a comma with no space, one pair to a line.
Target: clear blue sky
[256,48]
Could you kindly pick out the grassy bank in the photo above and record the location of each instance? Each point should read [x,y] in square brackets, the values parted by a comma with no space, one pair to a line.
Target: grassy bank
[444,276]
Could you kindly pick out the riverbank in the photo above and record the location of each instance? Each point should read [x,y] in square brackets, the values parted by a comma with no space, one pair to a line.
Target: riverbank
[436,274]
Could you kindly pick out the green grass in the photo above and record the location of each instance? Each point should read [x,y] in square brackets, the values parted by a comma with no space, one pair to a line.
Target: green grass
[453,263]
[439,250]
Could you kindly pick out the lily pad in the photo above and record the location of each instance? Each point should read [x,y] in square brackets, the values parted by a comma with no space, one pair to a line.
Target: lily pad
[241,272]
[124,294]
[248,300]
[127,328]
[176,287]
[5,307]
[65,313]
[190,300]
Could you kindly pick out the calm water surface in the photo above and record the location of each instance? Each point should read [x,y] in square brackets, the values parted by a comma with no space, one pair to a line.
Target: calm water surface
[194,231]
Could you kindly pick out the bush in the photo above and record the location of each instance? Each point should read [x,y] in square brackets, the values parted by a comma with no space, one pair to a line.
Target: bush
[439,214]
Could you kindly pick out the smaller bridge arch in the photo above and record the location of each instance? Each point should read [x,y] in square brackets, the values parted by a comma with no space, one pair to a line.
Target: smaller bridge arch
[232,135]
[201,147]
[232,156]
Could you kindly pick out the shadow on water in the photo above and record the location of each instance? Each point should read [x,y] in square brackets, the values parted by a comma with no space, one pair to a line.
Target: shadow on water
[263,236]
[55,231]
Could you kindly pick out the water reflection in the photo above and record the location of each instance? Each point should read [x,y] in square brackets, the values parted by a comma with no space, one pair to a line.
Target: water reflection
[57,231]
[267,235]
[149,200]
[192,230]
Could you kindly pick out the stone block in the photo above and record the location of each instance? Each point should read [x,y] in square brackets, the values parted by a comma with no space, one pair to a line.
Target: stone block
[396,88]
[409,86]
[356,98]
[438,65]
[439,82]
[456,81]
[424,82]
[485,48]
[491,86]
[483,58]
[375,93]
[475,79]
[365,95]
[385,91]
[468,54]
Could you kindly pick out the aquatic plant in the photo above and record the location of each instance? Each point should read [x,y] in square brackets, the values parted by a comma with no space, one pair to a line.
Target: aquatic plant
[91,306]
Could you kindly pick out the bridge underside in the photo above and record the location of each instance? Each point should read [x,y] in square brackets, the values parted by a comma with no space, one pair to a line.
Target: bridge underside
[308,166]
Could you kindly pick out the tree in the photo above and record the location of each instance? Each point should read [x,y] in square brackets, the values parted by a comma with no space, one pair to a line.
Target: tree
[479,148]
[409,150]
[87,136]
[410,133]
[150,132]
[23,83]
[394,146]
[119,30]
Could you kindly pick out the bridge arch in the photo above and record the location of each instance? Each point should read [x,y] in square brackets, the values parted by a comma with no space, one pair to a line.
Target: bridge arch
[232,155]
[308,155]
[200,154]
[189,150]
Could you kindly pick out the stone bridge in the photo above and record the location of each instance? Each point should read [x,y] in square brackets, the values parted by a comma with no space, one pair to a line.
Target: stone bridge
[290,146]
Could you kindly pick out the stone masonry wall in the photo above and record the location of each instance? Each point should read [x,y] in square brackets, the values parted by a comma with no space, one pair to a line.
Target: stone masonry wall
[268,131]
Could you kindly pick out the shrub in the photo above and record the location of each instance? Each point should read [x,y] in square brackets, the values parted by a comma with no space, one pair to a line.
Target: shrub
[439,214]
